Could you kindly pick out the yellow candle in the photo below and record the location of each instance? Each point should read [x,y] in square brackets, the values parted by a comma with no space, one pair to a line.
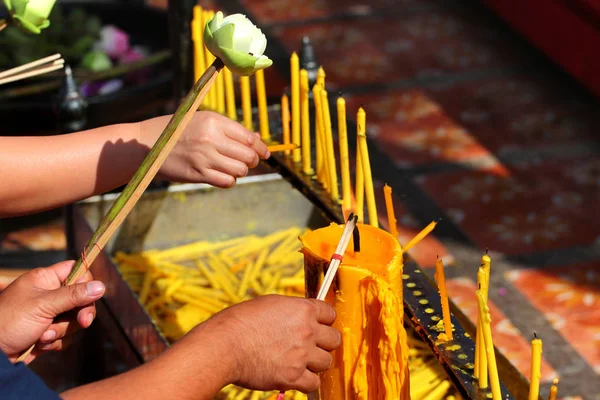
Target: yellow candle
[366,166]
[197,39]
[331,164]
[261,99]
[209,58]
[229,94]
[295,88]
[420,236]
[305,120]
[536,368]
[285,121]
[360,177]
[553,390]
[220,84]
[322,176]
[281,147]
[246,101]
[484,315]
[344,157]
[389,205]
[481,366]
[321,78]
[440,278]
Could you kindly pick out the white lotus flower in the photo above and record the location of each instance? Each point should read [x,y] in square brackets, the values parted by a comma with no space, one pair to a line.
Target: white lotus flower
[237,42]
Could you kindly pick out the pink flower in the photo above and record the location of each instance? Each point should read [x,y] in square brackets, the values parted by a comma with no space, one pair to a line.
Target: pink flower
[113,41]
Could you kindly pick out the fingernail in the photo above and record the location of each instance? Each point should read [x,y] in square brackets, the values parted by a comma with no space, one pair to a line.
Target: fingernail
[268,154]
[48,336]
[95,288]
[89,319]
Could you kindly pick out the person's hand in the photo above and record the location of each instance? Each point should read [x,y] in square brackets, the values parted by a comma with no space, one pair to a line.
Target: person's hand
[213,149]
[277,342]
[35,308]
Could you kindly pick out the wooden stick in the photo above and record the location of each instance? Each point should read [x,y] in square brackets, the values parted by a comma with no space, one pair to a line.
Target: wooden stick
[58,64]
[143,176]
[30,65]
[336,259]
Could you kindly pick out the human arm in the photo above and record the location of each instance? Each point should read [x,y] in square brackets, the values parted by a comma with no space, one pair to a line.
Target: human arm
[269,343]
[40,173]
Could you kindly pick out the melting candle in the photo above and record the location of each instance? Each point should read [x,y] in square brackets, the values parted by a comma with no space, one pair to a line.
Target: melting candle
[322,171]
[389,205]
[553,390]
[420,236]
[481,366]
[486,320]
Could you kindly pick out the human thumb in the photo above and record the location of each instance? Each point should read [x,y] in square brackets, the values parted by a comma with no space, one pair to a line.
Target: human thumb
[67,298]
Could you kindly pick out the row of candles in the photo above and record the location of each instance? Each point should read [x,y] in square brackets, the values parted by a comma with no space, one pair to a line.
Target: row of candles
[296,131]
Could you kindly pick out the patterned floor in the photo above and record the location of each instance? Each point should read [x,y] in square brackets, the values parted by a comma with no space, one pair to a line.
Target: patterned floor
[470,124]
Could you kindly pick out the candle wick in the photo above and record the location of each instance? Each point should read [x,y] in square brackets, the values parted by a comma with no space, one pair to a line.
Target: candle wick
[535,334]
[486,251]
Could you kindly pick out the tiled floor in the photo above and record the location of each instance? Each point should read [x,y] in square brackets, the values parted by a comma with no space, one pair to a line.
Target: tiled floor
[484,130]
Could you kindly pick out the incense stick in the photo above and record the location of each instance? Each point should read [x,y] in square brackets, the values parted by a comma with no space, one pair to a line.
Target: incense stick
[30,65]
[143,176]
[57,64]
[336,258]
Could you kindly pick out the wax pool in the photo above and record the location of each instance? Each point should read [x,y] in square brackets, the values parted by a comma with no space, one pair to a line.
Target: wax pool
[372,362]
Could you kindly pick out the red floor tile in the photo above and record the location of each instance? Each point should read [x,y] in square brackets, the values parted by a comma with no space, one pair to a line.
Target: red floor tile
[426,252]
[519,112]
[539,207]
[279,11]
[507,337]
[41,238]
[403,46]
[569,297]
[412,130]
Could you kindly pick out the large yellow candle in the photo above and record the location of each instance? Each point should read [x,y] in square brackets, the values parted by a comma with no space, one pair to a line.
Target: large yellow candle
[344,156]
[553,390]
[285,121]
[440,278]
[484,315]
[261,99]
[536,368]
[305,120]
[333,181]
[366,166]
[246,101]
[229,94]
[481,366]
[322,176]
[372,362]
[389,205]
[295,88]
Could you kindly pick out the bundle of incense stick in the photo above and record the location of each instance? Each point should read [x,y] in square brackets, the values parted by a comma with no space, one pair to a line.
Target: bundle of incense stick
[34,68]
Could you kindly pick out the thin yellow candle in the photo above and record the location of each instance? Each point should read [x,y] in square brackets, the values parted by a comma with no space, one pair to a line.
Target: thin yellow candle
[440,278]
[209,58]
[389,205]
[420,236]
[321,77]
[246,101]
[281,147]
[536,368]
[481,366]
[360,177]
[305,123]
[261,99]
[366,167]
[484,315]
[197,39]
[344,157]
[322,176]
[553,390]
[229,94]
[220,84]
[285,121]
[295,88]
[331,164]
